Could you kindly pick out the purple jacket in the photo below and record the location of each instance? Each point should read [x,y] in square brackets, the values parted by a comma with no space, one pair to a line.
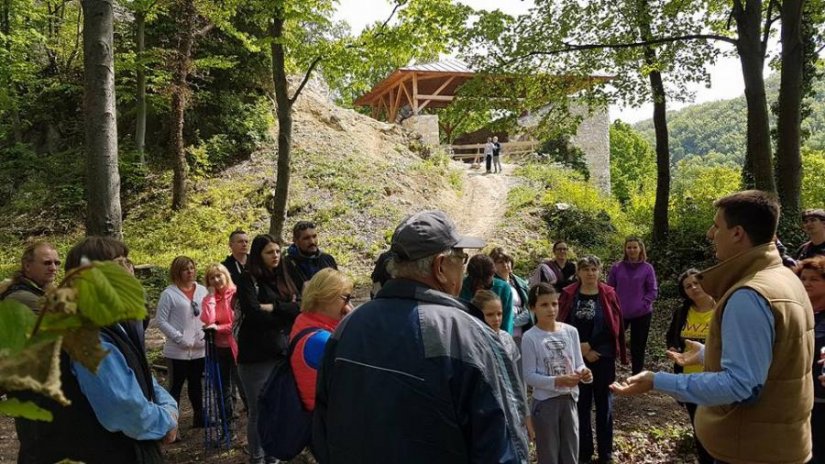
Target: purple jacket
[635,283]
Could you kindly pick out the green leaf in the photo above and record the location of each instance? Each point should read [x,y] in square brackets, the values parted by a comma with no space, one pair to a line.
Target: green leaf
[12,407]
[106,294]
[35,368]
[83,345]
[16,322]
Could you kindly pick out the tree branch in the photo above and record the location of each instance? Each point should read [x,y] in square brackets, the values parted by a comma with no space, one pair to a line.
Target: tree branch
[768,23]
[306,79]
[644,43]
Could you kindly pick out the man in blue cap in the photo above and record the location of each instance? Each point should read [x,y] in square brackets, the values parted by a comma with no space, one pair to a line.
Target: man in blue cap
[410,377]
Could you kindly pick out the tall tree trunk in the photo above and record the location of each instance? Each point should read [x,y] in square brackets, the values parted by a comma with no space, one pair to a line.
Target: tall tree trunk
[14,112]
[789,117]
[140,123]
[284,112]
[103,215]
[661,224]
[180,97]
[758,171]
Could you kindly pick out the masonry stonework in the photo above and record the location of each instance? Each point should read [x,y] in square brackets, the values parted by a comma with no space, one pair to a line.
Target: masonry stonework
[593,138]
[426,125]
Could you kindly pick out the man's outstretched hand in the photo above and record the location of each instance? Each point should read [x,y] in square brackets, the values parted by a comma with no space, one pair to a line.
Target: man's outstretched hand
[691,355]
[634,385]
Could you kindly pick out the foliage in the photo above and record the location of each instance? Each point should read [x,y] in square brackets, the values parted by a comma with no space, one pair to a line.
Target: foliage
[813,170]
[92,296]
[561,151]
[632,163]
[575,210]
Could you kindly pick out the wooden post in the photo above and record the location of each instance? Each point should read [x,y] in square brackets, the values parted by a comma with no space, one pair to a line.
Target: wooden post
[415,94]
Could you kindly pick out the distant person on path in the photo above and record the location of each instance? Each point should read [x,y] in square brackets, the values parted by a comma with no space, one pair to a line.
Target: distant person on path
[410,377]
[327,298]
[691,321]
[496,155]
[481,275]
[217,314]
[489,306]
[635,282]
[553,366]
[488,154]
[304,258]
[812,274]
[38,269]
[592,307]
[178,317]
[813,223]
[522,319]
[756,392]
[268,302]
[117,415]
[236,261]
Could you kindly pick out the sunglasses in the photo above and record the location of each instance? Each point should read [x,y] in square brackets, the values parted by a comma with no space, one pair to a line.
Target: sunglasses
[56,262]
[196,310]
[347,298]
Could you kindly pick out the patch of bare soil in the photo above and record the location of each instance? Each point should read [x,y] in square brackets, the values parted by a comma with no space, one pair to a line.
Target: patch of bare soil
[483,201]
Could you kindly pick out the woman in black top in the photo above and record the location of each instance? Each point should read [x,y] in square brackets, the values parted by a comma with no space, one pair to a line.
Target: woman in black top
[267,300]
[564,269]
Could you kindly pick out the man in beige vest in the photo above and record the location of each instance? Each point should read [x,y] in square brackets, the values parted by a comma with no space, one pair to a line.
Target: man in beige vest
[756,394]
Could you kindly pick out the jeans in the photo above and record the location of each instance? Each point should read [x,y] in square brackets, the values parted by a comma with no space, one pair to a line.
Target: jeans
[639,329]
[604,373]
[817,433]
[253,377]
[487,161]
[497,163]
[181,371]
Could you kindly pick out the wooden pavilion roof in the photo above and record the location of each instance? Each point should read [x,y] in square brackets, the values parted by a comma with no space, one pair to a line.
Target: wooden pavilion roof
[430,85]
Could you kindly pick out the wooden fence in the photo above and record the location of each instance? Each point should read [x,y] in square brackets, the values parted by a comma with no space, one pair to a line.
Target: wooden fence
[470,151]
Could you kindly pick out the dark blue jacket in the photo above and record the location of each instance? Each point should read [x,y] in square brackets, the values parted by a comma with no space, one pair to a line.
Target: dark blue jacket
[410,377]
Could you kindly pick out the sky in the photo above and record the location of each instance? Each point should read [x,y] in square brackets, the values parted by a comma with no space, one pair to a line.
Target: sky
[726,75]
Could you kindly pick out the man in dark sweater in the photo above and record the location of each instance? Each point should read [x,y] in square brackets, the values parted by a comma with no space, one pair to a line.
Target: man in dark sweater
[303,258]
[813,223]
[235,262]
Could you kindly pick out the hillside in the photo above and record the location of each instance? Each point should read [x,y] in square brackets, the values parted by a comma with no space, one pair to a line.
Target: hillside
[720,126]
[354,176]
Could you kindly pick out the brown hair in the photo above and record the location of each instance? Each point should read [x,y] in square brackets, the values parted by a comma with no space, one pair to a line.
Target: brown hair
[482,297]
[326,285]
[96,249]
[817,263]
[497,254]
[31,247]
[643,254]
[757,212]
[179,264]
[538,290]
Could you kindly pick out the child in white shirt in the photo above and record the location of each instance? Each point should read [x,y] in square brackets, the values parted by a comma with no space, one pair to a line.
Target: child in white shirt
[553,365]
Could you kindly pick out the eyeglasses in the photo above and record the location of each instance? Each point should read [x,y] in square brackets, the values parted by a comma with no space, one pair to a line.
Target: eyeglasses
[464,257]
[55,262]
[196,310]
[562,249]
[347,298]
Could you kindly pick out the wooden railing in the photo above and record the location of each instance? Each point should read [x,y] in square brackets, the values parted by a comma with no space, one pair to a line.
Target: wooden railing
[470,151]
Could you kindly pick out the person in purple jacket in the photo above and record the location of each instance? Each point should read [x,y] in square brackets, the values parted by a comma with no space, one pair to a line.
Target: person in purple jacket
[635,282]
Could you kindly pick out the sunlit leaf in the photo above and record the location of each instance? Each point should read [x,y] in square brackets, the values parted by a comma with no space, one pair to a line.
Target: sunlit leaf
[16,322]
[106,293]
[12,407]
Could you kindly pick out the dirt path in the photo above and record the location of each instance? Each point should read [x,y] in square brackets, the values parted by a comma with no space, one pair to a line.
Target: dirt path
[483,201]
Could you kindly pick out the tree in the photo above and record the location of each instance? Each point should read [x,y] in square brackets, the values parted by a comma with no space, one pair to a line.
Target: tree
[143,10]
[185,13]
[632,162]
[103,215]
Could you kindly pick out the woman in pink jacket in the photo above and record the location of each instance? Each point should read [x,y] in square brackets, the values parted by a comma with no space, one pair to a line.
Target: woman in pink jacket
[218,315]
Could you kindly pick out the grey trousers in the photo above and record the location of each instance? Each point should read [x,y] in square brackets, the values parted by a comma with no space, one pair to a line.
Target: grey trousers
[556,422]
[253,377]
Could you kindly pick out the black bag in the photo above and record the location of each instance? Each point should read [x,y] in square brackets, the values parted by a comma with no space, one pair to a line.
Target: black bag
[284,426]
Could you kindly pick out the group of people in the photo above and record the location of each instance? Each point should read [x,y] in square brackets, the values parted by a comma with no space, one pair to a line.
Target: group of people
[438,365]
[492,156]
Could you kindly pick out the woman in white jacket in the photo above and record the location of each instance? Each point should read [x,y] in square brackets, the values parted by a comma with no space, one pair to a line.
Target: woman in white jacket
[178,316]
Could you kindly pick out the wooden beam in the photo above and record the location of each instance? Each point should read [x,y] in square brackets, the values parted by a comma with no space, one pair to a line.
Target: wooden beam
[393,108]
[415,94]
[407,93]
[398,98]
[443,86]
[436,97]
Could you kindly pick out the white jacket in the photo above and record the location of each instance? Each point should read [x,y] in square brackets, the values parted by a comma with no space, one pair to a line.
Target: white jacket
[176,319]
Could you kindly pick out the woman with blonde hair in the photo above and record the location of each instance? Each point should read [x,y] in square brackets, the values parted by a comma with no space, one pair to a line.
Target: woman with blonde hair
[326,299]
[218,315]
[178,316]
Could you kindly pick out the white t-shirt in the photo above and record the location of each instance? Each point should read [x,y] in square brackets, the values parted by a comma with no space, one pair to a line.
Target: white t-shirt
[546,355]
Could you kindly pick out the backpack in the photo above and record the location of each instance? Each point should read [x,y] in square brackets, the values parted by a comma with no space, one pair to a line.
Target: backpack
[284,426]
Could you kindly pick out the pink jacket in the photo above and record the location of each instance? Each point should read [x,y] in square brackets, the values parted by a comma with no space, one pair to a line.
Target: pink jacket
[217,309]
